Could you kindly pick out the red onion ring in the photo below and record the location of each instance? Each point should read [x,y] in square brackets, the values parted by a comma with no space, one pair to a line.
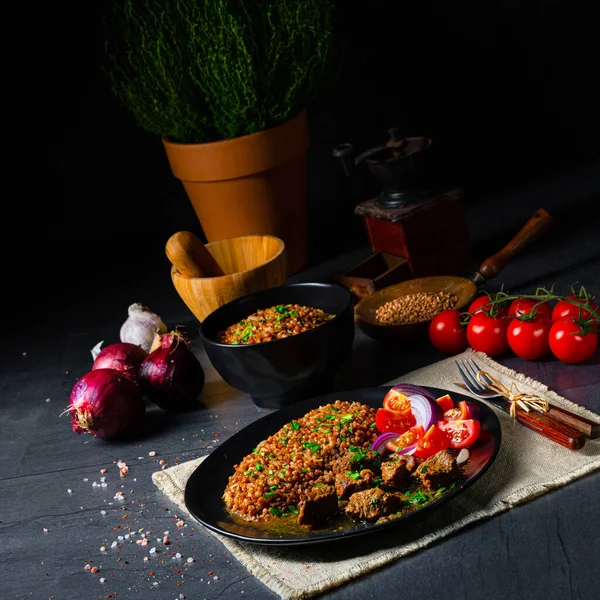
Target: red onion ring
[408,450]
[408,390]
[379,444]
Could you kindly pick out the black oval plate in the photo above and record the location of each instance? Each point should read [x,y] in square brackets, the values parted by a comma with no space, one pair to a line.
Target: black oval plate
[205,487]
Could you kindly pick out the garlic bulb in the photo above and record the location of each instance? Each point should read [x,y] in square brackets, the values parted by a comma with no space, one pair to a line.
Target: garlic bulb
[96,349]
[141,326]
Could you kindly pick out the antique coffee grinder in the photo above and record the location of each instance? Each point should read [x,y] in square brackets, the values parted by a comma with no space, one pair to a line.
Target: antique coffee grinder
[416,227]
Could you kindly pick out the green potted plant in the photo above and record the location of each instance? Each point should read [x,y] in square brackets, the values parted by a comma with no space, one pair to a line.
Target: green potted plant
[225,83]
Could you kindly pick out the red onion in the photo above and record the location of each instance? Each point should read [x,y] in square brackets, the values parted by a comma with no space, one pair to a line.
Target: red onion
[408,390]
[172,376]
[422,402]
[379,444]
[124,357]
[426,411]
[408,450]
[106,403]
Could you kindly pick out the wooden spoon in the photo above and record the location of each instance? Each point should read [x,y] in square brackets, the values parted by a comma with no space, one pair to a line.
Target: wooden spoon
[464,288]
[190,256]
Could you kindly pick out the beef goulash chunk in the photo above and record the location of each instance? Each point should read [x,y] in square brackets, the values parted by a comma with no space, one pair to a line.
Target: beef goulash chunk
[357,459]
[372,504]
[319,504]
[438,470]
[349,482]
[396,473]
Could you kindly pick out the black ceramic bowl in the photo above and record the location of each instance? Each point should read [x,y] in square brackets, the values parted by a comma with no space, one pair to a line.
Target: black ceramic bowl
[285,371]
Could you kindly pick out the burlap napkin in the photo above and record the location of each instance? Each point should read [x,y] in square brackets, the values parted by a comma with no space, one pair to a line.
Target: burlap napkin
[514,478]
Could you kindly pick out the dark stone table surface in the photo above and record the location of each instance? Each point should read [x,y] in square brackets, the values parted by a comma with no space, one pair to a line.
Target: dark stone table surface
[547,548]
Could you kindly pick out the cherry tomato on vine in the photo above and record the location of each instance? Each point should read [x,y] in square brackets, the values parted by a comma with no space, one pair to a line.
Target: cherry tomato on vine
[529,339]
[447,334]
[566,309]
[569,344]
[488,334]
[483,303]
[523,306]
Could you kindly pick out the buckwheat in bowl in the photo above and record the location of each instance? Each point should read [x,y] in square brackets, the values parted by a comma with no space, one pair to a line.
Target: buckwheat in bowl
[283,344]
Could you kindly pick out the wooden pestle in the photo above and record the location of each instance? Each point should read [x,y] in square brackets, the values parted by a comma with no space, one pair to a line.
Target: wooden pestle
[539,223]
[190,256]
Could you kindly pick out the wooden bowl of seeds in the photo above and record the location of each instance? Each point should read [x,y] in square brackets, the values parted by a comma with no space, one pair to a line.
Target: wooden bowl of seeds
[403,311]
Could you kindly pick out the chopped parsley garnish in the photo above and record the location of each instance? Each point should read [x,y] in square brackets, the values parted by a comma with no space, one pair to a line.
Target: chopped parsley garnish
[453,485]
[318,485]
[359,454]
[305,470]
[373,500]
[273,487]
[271,455]
[268,495]
[276,511]
[312,446]
[346,418]
[418,498]
[295,425]
[329,417]
[247,472]
[293,509]
[372,425]
[259,467]
[353,475]
[255,451]
[424,469]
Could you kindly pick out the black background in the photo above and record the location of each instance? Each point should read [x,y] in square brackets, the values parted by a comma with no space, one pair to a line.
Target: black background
[507,90]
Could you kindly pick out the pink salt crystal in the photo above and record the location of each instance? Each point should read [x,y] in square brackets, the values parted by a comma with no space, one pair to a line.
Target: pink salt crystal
[103,471]
[87,567]
[152,453]
[179,523]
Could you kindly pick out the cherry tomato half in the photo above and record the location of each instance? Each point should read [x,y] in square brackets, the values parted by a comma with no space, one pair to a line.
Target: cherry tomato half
[445,402]
[459,413]
[461,434]
[488,334]
[394,421]
[569,344]
[529,339]
[396,401]
[432,442]
[447,334]
[523,306]
[408,438]
[566,309]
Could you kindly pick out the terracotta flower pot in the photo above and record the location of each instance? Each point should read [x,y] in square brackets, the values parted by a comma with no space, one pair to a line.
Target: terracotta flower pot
[249,185]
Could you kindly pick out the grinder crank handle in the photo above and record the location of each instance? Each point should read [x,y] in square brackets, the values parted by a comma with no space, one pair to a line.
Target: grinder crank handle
[539,223]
